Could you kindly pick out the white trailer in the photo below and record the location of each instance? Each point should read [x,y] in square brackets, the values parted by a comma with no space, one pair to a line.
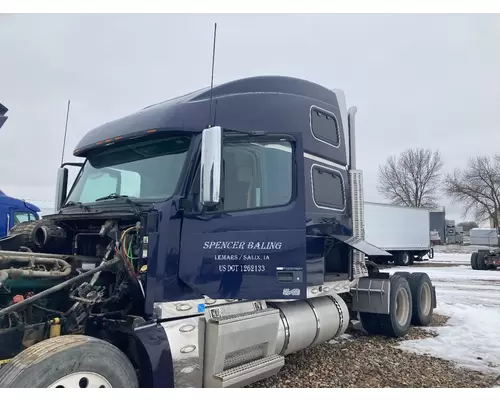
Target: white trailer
[484,237]
[402,231]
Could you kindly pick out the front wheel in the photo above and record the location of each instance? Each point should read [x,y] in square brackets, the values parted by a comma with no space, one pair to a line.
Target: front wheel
[73,361]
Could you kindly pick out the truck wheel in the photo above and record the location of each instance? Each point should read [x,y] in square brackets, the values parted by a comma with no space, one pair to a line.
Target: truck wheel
[370,323]
[402,258]
[421,293]
[480,264]
[397,322]
[404,274]
[473,260]
[73,361]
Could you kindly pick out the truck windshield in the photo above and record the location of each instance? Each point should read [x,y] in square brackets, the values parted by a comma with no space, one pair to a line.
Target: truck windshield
[148,170]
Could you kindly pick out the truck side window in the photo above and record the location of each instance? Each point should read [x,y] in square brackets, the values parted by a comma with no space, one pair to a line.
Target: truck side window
[256,175]
[328,188]
[324,126]
[23,216]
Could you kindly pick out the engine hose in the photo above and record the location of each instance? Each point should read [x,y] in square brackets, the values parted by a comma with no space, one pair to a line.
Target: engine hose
[31,259]
[56,288]
[15,273]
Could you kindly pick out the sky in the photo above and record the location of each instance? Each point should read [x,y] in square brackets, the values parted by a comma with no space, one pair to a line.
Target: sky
[423,80]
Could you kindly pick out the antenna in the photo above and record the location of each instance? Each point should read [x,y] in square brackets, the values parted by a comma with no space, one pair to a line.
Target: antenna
[212,80]
[65,132]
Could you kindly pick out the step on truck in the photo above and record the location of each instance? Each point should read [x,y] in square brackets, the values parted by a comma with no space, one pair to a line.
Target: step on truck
[204,239]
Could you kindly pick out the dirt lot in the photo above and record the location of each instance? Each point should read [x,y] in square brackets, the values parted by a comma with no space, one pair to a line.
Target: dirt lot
[362,361]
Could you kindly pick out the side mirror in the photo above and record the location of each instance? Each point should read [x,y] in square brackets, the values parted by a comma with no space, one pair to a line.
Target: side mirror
[211,166]
[61,188]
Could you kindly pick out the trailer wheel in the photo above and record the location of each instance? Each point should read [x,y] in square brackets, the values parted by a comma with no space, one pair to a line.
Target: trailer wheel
[73,361]
[397,322]
[402,258]
[473,260]
[421,293]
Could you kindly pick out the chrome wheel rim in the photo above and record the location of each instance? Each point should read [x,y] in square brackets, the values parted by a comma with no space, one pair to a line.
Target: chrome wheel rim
[402,307]
[425,298]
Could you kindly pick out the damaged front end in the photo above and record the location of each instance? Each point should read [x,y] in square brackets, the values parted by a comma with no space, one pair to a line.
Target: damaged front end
[90,275]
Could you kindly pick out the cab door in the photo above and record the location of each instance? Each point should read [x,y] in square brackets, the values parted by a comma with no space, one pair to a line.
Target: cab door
[251,245]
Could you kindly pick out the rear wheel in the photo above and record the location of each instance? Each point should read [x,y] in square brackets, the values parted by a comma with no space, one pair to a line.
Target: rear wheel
[402,258]
[421,292]
[73,361]
[473,260]
[397,322]
[481,264]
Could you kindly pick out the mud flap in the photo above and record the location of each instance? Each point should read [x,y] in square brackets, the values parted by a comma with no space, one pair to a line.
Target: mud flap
[371,295]
[431,253]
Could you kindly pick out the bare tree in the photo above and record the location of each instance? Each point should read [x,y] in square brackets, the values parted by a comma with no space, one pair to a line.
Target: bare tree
[468,225]
[477,187]
[411,179]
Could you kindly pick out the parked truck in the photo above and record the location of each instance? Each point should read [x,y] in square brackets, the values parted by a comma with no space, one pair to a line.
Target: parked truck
[404,232]
[14,211]
[489,257]
[193,256]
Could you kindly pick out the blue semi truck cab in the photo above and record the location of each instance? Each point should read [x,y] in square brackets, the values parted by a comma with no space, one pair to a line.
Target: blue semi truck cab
[204,239]
[14,211]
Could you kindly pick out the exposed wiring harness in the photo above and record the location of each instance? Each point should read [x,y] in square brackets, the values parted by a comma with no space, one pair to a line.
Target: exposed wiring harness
[125,248]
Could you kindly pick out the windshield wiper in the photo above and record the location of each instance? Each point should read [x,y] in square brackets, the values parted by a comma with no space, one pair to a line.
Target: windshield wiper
[77,204]
[121,196]
[112,196]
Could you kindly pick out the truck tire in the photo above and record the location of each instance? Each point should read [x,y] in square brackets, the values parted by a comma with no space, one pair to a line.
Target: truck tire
[73,361]
[421,293]
[402,258]
[481,265]
[473,260]
[404,274]
[397,322]
[370,323]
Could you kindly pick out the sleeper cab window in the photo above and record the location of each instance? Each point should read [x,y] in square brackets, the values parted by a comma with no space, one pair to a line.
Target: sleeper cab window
[328,188]
[324,126]
[256,175]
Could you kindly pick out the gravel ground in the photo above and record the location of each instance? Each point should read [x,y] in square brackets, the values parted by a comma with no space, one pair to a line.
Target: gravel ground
[374,362]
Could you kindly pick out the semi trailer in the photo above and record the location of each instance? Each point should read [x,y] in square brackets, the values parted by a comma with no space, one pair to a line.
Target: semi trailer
[404,232]
[204,239]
